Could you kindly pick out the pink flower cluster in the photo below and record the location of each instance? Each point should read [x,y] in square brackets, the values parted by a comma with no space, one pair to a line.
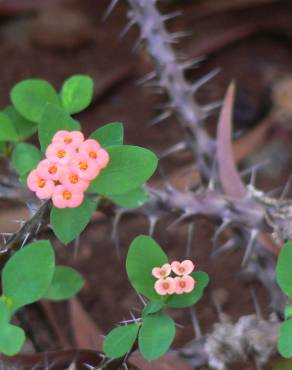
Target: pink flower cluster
[71,163]
[182,283]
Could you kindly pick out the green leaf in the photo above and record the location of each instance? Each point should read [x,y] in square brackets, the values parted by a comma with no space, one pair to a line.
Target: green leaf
[132,199]
[288,312]
[144,254]
[109,135]
[27,275]
[77,93]
[284,271]
[30,97]
[11,337]
[285,339]
[129,167]
[7,130]
[68,223]
[65,284]
[53,120]
[153,307]
[25,157]
[156,335]
[120,340]
[23,127]
[189,299]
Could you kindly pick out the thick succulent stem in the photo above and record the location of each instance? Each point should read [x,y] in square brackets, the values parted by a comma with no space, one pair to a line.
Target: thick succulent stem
[170,77]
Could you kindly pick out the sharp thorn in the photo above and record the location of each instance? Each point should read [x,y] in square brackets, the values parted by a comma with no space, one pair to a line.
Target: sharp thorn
[193,63]
[109,9]
[129,25]
[229,245]
[256,304]
[195,322]
[286,189]
[205,79]
[218,232]
[166,17]
[149,76]
[163,116]
[179,147]
[249,247]
[152,223]
[256,167]
[179,220]
[189,239]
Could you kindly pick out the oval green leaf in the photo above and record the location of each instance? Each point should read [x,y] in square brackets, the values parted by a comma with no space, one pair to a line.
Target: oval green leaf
[30,97]
[25,157]
[77,93]
[285,339]
[23,127]
[284,271]
[65,284]
[11,337]
[133,199]
[7,130]
[120,340]
[144,254]
[109,135]
[52,120]
[156,335]
[68,223]
[129,167]
[27,275]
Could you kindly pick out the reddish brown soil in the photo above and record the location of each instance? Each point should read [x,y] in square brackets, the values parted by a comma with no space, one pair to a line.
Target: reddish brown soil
[253,61]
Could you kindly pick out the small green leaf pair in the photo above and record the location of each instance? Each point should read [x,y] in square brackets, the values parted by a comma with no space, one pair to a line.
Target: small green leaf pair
[28,276]
[284,280]
[155,335]
[30,97]
[155,331]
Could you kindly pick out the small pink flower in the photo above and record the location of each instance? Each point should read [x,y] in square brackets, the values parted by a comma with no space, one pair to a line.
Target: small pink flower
[66,197]
[93,150]
[184,284]
[161,272]
[165,286]
[60,153]
[72,138]
[86,168]
[42,187]
[48,170]
[71,178]
[182,268]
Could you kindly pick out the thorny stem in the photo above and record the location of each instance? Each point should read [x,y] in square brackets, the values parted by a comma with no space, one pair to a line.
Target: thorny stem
[170,75]
[29,229]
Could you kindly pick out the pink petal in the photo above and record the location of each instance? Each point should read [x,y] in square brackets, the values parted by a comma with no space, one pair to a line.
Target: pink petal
[102,158]
[178,288]
[57,197]
[190,283]
[32,180]
[172,285]
[159,287]
[156,272]
[47,191]
[188,267]
[76,200]
[175,267]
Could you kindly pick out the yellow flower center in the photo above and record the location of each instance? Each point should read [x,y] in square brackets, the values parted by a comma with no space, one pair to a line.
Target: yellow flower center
[67,195]
[165,285]
[92,154]
[83,165]
[41,183]
[68,140]
[182,284]
[52,170]
[73,178]
[61,153]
